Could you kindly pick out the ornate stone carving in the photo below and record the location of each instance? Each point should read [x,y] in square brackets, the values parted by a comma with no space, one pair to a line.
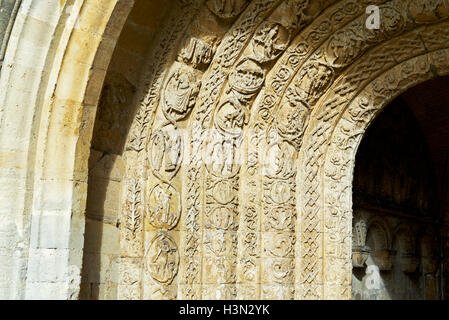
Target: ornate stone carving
[227,9]
[292,120]
[163,258]
[325,124]
[280,192]
[230,117]
[247,77]
[154,77]
[213,84]
[315,78]
[215,197]
[130,274]
[220,154]
[165,151]
[269,41]
[198,53]
[155,143]
[281,218]
[281,158]
[274,292]
[348,44]
[179,95]
[220,244]
[221,218]
[279,270]
[133,208]
[360,251]
[343,47]
[163,206]
[375,98]
[281,245]
[427,11]
[223,192]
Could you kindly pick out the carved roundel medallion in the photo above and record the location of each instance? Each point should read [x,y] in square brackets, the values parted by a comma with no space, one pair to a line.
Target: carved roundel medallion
[280,192]
[227,9]
[221,218]
[230,117]
[270,40]
[223,192]
[247,77]
[422,11]
[281,159]
[180,93]
[163,206]
[342,48]
[392,21]
[292,119]
[165,151]
[163,258]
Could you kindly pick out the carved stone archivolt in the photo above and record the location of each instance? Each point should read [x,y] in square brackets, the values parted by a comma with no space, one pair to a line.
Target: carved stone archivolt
[242,152]
[421,70]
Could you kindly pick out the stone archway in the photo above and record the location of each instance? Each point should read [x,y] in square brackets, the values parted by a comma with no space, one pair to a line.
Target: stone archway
[396,180]
[287,233]
[238,162]
[340,157]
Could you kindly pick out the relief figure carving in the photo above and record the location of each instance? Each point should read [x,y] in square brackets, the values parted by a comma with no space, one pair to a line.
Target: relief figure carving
[247,77]
[230,117]
[221,156]
[179,94]
[197,52]
[163,206]
[163,258]
[270,40]
[281,157]
[165,151]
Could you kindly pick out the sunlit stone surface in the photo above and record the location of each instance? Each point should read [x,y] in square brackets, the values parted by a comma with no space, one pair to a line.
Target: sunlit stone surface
[224,149]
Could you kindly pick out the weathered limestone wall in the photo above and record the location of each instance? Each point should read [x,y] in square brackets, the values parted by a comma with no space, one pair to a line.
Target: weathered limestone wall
[44,185]
[24,64]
